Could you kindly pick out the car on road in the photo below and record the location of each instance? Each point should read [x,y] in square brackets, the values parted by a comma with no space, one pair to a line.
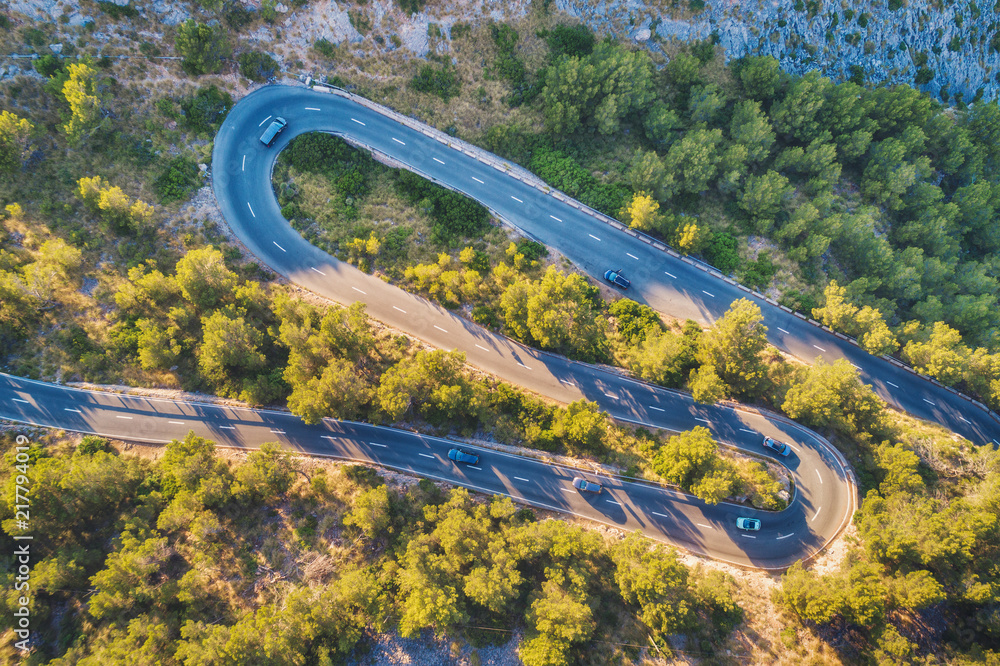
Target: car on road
[748,524]
[458,455]
[616,278]
[780,448]
[581,483]
[273,130]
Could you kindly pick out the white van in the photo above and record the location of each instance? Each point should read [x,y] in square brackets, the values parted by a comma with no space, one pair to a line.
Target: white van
[278,124]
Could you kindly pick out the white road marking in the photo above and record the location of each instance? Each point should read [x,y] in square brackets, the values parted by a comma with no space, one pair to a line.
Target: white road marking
[127,418]
[278,432]
[251,209]
[72,410]
[555,218]
[312,108]
[521,478]
[477,468]
[516,199]
[244,163]
[478,181]
[439,328]
[929,402]
[523,365]
[819,477]
[327,437]
[398,141]
[568,490]
[708,292]
[748,536]
[611,395]
[176,422]
[26,402]
[316,270]
[783,331]
[358,122]
[996,442]
[425,455]
[264,121]
[961,417]
[359,291]
[820,348]
[400,309]
[594,237]
[279,247]
[892,385]
[749,431]
[858,367]
[701,419]
[482,347]
[437,160]
[657,409]
[613,502]
[632,255]
[670,274]
[704,525]
[568,383]
[661,515]
[227,427]
[785,537]
[381,446]
[815,514]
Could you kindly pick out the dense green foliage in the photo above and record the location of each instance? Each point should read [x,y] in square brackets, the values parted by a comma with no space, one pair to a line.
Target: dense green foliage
[257,66]
[202,46]
[440,81]
[182,555]
[204,111]
[177,180]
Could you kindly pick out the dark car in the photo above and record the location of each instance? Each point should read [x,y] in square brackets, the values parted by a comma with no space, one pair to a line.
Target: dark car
[780,448]
[588,486]
[616,278]
[748,524]
[273,130]
[458,455]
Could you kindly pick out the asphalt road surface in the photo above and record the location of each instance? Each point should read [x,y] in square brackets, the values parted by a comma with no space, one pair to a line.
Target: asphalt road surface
[822,506]
[242,166]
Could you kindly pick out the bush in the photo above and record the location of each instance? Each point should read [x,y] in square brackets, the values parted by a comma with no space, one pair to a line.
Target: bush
[440,81]
[454,216]
[758,274]
[177,180]
[237,16]
[92,444]
[721,253]
[49,65]
[572,41]
[324,47]
[257,66]
[118,12]
[206,109]
[411,6]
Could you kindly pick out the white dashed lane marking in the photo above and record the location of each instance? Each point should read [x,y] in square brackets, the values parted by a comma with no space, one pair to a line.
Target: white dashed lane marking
[708,292]
[785,537]
[400,309]
[963,418]
[816,514]
[929,402]
[661,515]
[425,455]
[820,348]
[568,490]
[555,218]
[657,409]
[473,467]
[312,108]
[632,255]
[594,237]
[819,477]
[749,431]
[176,422]
[228,427]
[26,402]
[783,330]
[701,419]
[521,478]
[748,536]
[482,347]
[359,291]
[704,525]
[613,502]
[439,328]
[278,432]
[892,385]
[670,274]
[72,410]
[279,247]
[381,446]
[244,163]
[127,418]
[516,199]
[478,181]
[437,160]
[314,269]
[358,122]
[264,121]
[251,209]
[398,141]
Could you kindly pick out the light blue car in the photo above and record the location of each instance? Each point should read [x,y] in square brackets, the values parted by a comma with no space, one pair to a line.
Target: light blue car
[748,524]
[458,455]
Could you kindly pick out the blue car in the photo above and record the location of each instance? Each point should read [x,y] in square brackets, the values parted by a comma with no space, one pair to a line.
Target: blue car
[748,524]
[616,278]
[458,455]
[587,486]
[780,448]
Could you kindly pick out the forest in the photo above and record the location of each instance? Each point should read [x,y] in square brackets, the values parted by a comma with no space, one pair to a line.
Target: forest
[872,209]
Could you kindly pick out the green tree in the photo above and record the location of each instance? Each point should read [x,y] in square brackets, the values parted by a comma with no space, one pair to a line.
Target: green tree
[267,474]
[691,460]
[683,72]
[81,93]
[371,513]
[706,386]
[694,160]
[751,128]
[759,75]
[230,350]
[653,579]
[202,46]
[833,396]
[571,40]
[14,135]
[763,197]
[257,66]
[735,345]
[204,278]
[562,620]
[662,124]
[942,356]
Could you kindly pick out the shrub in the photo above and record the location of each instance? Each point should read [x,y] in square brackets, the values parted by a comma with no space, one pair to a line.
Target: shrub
[206,109]
[237,15]
[257,66]
[460,30]
[721,252]
[49,65]
[118,12]
[573,41]
[411,6]
[440,81]
[324,47]
[92,444]
[177,180]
